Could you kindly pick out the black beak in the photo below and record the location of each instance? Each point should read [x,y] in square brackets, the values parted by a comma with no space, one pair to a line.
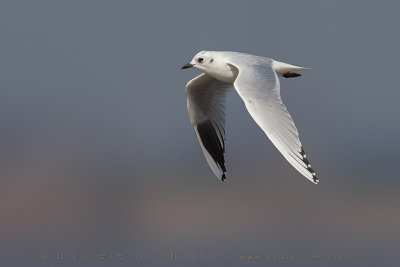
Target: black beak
[186,66]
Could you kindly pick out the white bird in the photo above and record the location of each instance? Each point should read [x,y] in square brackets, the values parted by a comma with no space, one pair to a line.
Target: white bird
[256,80]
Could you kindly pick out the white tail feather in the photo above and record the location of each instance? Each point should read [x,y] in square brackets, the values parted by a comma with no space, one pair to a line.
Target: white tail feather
[282,68]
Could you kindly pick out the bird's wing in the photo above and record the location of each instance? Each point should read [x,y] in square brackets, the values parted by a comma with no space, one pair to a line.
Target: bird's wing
[258,86]
[205,102]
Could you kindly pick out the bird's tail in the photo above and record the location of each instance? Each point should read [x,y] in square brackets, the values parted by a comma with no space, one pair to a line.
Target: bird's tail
[286,70]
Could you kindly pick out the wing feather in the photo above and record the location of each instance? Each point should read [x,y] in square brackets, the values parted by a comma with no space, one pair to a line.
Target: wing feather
[206,107]
[258,85]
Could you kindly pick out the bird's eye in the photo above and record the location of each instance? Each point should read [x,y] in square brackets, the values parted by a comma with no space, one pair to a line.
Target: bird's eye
[200,59]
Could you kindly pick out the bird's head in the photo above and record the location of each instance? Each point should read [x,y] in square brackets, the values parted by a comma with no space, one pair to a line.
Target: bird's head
[202,61]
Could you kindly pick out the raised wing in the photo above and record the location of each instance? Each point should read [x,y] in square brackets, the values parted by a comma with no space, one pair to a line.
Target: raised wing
[258,86]
[205,102]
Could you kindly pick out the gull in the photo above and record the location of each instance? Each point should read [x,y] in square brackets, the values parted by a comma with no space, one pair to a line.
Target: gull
[256,80]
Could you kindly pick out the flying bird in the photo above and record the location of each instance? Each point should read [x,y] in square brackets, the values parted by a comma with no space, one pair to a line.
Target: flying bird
[256,80]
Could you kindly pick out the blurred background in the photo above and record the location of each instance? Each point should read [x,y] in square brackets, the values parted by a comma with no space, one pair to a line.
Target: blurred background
[98,154]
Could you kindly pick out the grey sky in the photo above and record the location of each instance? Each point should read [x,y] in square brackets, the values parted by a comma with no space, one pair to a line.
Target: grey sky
[92,92]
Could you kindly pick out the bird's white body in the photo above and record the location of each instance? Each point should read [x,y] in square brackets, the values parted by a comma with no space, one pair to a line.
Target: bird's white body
[256,80]
[222,69]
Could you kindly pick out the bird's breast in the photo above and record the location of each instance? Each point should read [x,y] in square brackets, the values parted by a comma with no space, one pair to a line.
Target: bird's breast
[226,73]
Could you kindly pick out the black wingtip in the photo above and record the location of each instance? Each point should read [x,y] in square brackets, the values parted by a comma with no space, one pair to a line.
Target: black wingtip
[212,143]
[223,178]
[305,160]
